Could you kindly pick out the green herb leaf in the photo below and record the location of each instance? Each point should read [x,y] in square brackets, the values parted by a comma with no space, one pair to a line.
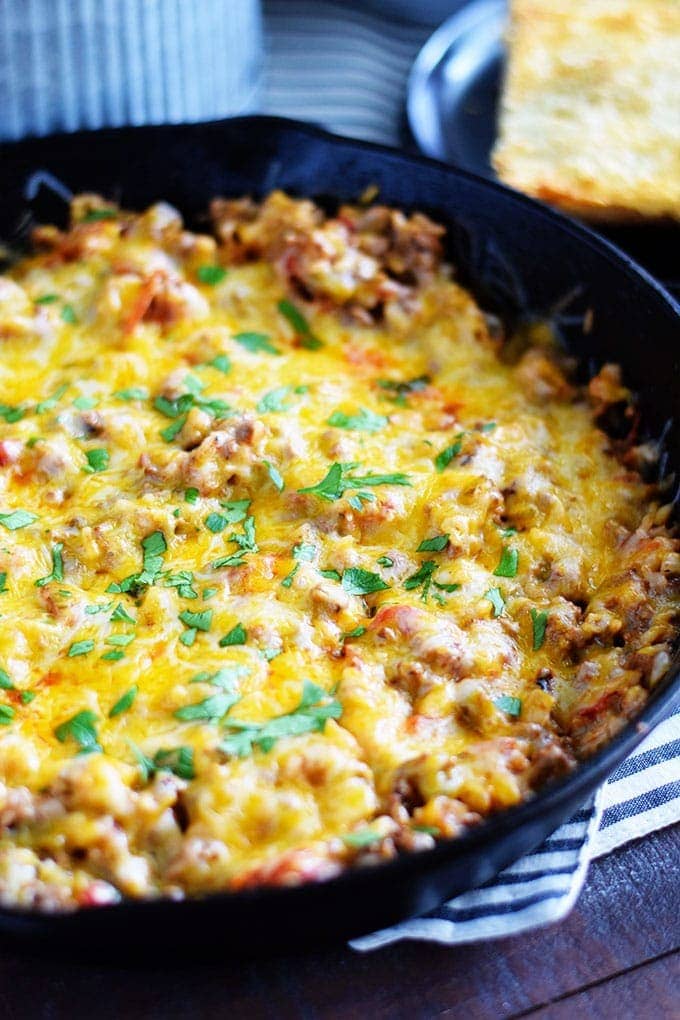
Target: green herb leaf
[11,414]
[362,838]
[198,621]
[357,581]
[539,623]
[188,637]
[421,578]
[315,708]
[68,315]
[238,635]
[17,519]
[120,613]
[6,715]
[495,597]
[80,648]
[120,640]
[300,325]
[436,544]
[222,363]
[332,575]
[57,573]
[96,607]
[132,393]
[50,402]
[97,460]
[85,403]
[47,299]
[275,475]
[124,703]
[154,546]
[237,510]
[211,275]
[357,632]
[212,708]
[93,215]
[171,431]
[5,681]
[179,760]
[443,459]
[216,522]
[27,697]
[256,343]
[183,582]
[362,421]
[385,561]
[330,487]
[274,400]
[508,563]
[81,728]
[513,706]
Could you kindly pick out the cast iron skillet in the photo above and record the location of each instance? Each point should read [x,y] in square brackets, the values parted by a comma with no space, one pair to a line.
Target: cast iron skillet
[520,259]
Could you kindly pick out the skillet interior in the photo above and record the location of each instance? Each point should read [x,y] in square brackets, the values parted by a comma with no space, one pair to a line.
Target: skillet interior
[518,259]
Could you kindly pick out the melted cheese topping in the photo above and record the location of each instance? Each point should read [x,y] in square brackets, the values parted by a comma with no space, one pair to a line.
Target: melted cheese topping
[476,584]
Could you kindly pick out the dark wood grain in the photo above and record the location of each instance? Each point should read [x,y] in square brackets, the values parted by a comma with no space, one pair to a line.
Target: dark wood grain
[624,933]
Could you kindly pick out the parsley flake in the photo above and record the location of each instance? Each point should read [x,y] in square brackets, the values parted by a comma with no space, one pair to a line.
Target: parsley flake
[211,275]
[238,635]
[17,519]
[97,460]
[443,459]
[513,706]
[124,703]
[6,715]
[197,621]
[274,400]
[275,475]
[81,728]
[299,323]
[132,393]
[539,621]
[57,572]
[509,561]
[222,363]
[310,716]
[436,544]
[256,343]
[362,421]
[80,648]
[357,581]
[495,597]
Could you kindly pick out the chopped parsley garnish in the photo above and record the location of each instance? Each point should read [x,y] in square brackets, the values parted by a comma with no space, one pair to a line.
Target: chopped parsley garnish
[436,544]
[80,648]
[509,561]
[27,697]
[357,632]
[17,519]
[275,475]
[422,578]
[211,275]
[401,390]
[238,635]
[5,681]
[256,343]
[274,400]
[216,522]
[299,323]
[237,510]
[93,215]
[47,299]
[337,481]
[57,572]
[513,706]
[188,637]
[362,421]
[132,393]
[225,677]
[179,408]
[208,593]
[68,315]
[331,575]
[508,532]
[197,621]
[385,561]
[120,613]
[222,363]
[179,760]
[304,552]
[115,655]
[3,582]
[124,703]
[211,709]
[50,402]
[310,716]
[443,459]
[85,403]
[120,640]
[11,414]
[6,715]
[362,838]
[81,728]
[97,460]
[495,597]
[539,621]
[96,607]
[246,543]
[357,581]
[183,581]
[191,496]
[153,548]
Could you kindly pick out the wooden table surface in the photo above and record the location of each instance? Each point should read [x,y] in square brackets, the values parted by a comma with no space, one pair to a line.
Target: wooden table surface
[616,956]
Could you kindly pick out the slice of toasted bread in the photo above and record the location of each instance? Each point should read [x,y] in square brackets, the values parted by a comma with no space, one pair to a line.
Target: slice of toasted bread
[590,116]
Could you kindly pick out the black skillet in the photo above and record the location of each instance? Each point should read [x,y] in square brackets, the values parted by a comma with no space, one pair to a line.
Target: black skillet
[520,259]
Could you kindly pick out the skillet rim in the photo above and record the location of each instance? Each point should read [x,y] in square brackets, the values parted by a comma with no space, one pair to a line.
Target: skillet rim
[553,796]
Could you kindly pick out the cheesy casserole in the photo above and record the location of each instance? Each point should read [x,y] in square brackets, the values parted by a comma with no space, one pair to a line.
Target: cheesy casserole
[301,564]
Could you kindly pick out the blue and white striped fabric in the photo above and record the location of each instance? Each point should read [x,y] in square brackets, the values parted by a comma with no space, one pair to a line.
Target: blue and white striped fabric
[346,69]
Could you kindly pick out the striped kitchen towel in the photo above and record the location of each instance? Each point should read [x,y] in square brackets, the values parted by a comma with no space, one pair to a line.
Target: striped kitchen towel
[542,887]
